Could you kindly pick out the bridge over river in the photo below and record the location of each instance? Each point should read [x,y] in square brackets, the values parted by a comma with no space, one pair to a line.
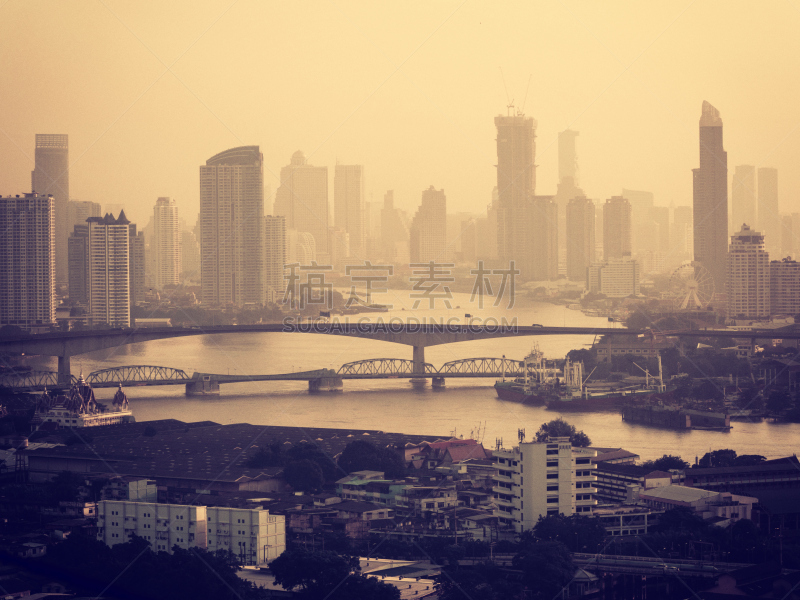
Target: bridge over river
[318,380]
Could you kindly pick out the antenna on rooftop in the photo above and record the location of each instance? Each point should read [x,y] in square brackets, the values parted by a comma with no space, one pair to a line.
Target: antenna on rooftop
[521,435]
[510,102]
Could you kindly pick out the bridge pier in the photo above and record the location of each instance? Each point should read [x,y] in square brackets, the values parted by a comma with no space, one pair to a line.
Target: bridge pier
[419,380]
[203,386]
[64,370]
[437,383]
[330,382]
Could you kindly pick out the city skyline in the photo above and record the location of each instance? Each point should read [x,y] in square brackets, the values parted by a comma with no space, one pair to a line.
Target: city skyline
[418,113]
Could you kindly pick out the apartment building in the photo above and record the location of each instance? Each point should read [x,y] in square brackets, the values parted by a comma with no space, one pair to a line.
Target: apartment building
[543,478]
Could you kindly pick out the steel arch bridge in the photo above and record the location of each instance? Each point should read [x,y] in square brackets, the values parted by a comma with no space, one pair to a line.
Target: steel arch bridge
[386,367]
[136,374]
[32,379]
[482,367]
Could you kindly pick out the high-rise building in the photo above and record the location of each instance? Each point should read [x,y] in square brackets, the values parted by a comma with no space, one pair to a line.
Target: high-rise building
[428,235]
[166,243]
[567,156]
[80,210]
[303,199]
[300,247]
[50,176]
[394,232]
[540,253]
[615,278]
[659,215]
[787,237]
[78,247]
[338,248]
[516,184]
[748,276]
[27,261]
[137,265]
[539,479]
[769,220]
[109,277]
[349,212]
[580,237]
[784,284]
[616,228]
[567,190]
[681,236]
[232,228]
[642,204]
[743,196]
[710,198]
[275,256]
[190,257]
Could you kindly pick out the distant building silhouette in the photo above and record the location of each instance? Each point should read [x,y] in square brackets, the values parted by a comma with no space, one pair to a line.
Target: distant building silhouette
[428,235]
[710,198]
[275,256]
[50,175]
[540,251]
[769,220]
[516,184]
[394,232]
[580,230]
[303,199]
[27,268]
[137,264]
[80,210]
[616,228]
[681,233]
[567,190]
[166,243]
[743,196]
[642,224]
[232,228]
[109,276]
[349,214]
[784,283]
[748,276]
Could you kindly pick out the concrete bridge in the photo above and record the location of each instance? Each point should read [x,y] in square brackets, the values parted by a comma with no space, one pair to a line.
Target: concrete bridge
[318,380]
[419,335]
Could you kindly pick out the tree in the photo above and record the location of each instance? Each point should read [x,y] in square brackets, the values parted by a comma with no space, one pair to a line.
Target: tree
[748,460]
[779,401]
[304,475]
[313,572]
[718,458]
[312,452]
[681,518]
[666,463]
[577,532]
[271,456]
[361,455]
[560,428]
[546,568]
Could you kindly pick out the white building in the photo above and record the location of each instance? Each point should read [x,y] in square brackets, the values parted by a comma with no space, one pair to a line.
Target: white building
[253,535]
[543,478]
[27,268]
[166,243]
[748,275]
[108,281]
[80,409]
[615,278]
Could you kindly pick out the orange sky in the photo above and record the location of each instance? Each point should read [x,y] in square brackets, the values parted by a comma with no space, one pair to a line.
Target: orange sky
[147,91]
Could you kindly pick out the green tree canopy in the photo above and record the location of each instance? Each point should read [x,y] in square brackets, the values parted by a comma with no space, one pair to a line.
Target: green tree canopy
[304,475]
[577,532]
[361,455]
[546,567]
[666,463]
[560,428]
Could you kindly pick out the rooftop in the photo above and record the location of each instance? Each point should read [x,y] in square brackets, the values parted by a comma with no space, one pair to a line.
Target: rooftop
[677,493]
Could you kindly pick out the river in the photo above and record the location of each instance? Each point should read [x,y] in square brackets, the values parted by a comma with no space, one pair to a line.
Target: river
[467,407]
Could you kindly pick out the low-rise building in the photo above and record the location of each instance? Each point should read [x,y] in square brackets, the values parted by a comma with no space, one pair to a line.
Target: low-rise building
[627,520]
[80,409]
[614,480]
[708,504]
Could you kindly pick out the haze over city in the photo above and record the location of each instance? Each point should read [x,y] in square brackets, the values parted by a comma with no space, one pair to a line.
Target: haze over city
[408,90]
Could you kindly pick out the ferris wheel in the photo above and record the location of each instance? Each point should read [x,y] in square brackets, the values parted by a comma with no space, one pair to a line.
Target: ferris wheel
[691,286]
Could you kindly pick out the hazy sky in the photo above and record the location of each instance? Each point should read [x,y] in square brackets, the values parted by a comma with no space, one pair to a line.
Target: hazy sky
[147,91]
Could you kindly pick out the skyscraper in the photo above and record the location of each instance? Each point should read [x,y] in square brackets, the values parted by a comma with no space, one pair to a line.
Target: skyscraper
[394,231]
[642,204]
[580,237]
[516,184]
[27,260]
[349,207]
[540,253]
[80,210]
[616,228]
[109,270]
[50,175]
[428,235]
[681,236]
[136,265]
[78,247]
[784,284]
[303,199]
[748,275]
[275,256]
[710,198]
[743,197]
[231,230]
[769,221]
[166,243]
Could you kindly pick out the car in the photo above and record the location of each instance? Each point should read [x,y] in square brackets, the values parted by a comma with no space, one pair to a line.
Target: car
[537,325]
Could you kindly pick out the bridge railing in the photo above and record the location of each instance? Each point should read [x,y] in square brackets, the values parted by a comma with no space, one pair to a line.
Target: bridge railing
[31,379]
[384,366]
[136,373]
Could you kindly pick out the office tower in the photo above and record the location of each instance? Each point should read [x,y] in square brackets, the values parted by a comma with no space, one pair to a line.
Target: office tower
[190,257]
[539,479]
[710,198]
[615,278]
[137,256]
[642,238]
[428,235]
[27,261]
[748,283]
[275,256]
[580,231]
[78,248]
[681,233]
[540,253]
[516,183]
[659,216]
[743,197]
[787,237]
[301,247]
[50,176]
[394,232]
[166,243]
[616,228]
[303,199]
[109,270]
[338,247]
[769,220]
[567,156]
[232,228]
[567,189]
[80,210]
[784,284]
[349,213]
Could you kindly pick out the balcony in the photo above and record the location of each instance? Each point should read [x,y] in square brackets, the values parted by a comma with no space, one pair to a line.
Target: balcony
[503,479]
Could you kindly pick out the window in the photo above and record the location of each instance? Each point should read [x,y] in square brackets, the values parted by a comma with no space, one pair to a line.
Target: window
[552,500]
[552,475]
[552,488]
[550,452]
[552,463]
